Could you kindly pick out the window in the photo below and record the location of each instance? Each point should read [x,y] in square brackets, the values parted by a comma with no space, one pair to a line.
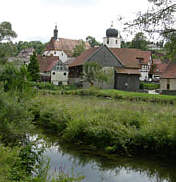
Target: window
[65,74]
[168,86]
[116,42]
[54,73]
[107,41]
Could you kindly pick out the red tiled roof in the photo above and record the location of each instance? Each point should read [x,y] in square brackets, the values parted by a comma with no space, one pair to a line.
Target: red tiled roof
[170,71]
[129,57]
[67,45]
[157,61]
[128,71]
[82,58]
[47,63]
[160,68]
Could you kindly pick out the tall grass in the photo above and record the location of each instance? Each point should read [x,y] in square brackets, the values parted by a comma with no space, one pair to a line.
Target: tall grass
[110,125]
[116,94]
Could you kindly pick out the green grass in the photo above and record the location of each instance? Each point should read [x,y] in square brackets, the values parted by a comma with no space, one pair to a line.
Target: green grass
[114,126]
[117,94]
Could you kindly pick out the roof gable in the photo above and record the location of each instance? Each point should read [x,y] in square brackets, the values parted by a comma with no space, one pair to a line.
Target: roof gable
[101,55]
[105,58]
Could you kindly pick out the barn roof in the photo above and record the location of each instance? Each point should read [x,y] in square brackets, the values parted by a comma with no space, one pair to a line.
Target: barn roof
[128,71]
[80,60]
[170,71]
[130,57]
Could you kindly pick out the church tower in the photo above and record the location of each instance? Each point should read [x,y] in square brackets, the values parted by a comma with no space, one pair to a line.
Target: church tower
[55,32]
[112,39]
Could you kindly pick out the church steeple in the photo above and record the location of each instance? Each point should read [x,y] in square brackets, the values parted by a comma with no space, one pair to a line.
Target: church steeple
[55,32]
[112,39]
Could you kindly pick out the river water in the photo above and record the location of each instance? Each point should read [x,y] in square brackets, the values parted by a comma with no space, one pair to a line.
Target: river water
[98,168]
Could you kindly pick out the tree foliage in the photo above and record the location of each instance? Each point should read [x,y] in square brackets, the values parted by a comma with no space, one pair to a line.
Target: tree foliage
[94,72]
[170,46]
[92,41]
[37,45]
[139,41]
[6,32]
[79,49]
[159,18]
[33,68]
[14,79]
[6,48]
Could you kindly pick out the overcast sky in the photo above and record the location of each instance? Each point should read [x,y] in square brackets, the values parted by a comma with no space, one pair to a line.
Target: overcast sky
[76,19]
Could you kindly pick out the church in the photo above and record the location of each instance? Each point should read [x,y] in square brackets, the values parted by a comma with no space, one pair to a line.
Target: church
[62,47]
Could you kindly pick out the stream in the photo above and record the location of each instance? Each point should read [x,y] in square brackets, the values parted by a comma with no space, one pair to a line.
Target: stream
[97,167]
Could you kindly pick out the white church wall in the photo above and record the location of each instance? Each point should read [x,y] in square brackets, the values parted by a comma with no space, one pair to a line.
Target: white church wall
[61,54]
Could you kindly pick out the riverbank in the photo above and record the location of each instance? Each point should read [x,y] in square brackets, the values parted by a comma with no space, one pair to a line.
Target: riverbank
[113,126]
[114,94]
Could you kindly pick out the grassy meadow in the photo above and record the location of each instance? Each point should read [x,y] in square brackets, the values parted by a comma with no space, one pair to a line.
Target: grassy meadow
[114,94]
[111,125]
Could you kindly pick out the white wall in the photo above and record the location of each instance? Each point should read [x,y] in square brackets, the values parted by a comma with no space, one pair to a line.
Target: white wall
[61,54]
[59,76]
[114,42]
[171,82]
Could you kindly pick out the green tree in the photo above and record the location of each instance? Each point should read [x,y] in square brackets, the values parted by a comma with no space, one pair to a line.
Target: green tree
[37,45]
[170,46]
[79,49]
[139,41]
[94,72]
[33,68]
[92,41]
[6,32]
[159,18]
[6,48]
[126,44]
[14,79]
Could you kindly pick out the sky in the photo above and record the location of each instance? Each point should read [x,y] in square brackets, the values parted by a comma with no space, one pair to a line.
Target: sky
[76,19]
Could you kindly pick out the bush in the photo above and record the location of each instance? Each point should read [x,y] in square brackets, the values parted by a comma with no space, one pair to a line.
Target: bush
[54,119]
[15,120]
[149,86]
[111,126]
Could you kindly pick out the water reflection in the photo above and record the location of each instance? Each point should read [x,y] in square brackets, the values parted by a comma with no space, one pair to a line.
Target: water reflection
[96,166]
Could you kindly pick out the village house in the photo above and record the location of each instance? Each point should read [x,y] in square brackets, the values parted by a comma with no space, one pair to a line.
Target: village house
[158,69]
[168,79]
[53,70]
[23,57]
[126,65]
[63,49]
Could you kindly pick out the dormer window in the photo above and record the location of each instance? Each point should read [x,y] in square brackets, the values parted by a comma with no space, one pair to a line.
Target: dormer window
[140,60]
